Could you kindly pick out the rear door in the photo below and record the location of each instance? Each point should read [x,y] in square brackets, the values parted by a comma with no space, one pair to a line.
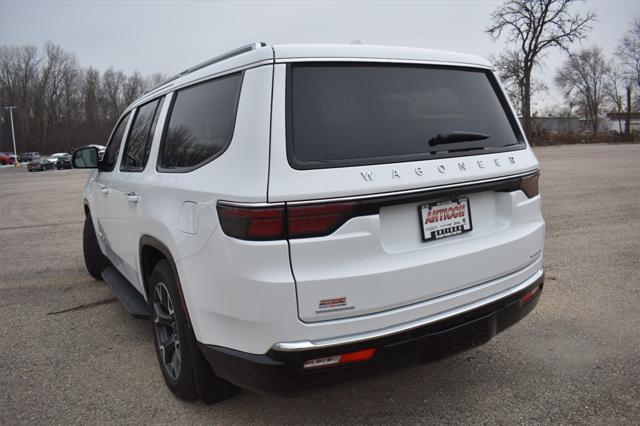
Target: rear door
[379,139]
[127,188]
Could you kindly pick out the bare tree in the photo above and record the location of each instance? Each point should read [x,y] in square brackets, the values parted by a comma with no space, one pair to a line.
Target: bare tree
[132,88]
[508,65]
[534,26]
[154,80]
[90,95]
[614,85]
[19,69]
[112,89]
[629,50]
[582,78]
[629,53]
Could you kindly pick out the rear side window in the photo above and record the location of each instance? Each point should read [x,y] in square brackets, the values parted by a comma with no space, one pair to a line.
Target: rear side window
[201,123]
[356,114]
[110,156]
[136,151]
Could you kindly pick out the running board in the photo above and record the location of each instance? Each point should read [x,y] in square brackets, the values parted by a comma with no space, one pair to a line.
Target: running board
[130,298]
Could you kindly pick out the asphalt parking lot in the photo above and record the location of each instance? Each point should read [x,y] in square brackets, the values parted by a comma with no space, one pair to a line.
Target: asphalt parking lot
[72,354]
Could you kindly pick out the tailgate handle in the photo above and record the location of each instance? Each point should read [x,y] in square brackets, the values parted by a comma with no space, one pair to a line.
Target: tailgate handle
[132,197]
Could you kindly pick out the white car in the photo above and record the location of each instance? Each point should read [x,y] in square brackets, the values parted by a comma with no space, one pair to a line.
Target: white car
[53,158]
[293,215]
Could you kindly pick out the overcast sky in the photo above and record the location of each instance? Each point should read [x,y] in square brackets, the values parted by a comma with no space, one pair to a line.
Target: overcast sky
[168,36]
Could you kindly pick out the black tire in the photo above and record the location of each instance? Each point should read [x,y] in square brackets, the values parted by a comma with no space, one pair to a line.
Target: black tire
[94,260]
[185,372]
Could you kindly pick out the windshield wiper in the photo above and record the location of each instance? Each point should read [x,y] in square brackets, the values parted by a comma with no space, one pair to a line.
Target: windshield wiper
[457,136]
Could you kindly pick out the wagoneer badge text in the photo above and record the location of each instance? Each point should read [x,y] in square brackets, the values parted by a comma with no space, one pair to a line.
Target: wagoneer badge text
[368,176]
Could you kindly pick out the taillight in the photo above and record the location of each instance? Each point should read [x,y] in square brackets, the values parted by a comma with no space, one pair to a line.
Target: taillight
[278,223]
[252,223]
[317,220]
[529,185]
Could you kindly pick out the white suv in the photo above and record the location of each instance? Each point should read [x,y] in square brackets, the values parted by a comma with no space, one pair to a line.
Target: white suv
[299,214]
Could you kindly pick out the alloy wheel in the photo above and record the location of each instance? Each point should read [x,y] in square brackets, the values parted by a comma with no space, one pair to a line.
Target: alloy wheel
[166,331]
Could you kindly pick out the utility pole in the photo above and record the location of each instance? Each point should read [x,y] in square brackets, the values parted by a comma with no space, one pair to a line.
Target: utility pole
[13,133]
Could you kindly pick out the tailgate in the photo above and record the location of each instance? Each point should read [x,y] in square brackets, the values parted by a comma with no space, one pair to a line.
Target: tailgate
[379,262]
[395,135]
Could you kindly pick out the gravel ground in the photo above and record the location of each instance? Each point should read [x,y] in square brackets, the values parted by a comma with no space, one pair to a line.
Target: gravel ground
[575,359]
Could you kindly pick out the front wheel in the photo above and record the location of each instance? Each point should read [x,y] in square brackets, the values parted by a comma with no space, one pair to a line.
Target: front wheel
[176,346]
[94,260]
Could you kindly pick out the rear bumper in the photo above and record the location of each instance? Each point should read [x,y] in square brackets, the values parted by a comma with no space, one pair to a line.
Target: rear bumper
[281,372]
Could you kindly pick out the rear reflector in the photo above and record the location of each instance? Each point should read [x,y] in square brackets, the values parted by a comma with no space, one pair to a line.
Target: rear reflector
[529,295]
[348,358]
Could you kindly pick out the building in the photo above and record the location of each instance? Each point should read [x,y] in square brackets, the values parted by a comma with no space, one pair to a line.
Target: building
[617,121]
[555,124]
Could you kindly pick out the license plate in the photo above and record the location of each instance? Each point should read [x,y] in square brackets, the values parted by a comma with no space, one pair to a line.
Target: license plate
[445,218]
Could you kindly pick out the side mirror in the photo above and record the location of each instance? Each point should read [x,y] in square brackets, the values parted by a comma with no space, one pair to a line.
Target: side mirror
[85,158]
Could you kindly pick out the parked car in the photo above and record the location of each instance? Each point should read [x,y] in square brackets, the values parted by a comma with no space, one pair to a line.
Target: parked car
[7,158]
[25,157]
[55,157]
[40,165]
[63,162]
[288,220]
[16,158]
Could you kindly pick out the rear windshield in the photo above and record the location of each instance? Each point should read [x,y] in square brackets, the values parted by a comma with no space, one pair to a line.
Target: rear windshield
[347,114]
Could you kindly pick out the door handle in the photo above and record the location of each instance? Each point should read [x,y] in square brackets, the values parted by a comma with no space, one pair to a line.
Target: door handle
[132,197]
[103,188]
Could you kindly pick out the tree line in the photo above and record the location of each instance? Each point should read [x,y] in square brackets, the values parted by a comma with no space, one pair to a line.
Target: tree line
[61,104]
[591,82]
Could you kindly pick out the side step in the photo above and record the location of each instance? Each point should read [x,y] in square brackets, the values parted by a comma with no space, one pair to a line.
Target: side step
[130,298]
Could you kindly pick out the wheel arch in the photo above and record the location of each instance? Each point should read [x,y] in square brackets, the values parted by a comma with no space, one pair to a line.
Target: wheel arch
[151,252]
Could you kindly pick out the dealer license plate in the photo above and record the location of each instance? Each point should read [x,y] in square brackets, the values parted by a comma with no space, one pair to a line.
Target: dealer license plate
[445,218]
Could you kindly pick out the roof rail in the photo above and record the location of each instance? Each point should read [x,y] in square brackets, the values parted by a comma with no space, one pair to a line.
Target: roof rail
[240,50]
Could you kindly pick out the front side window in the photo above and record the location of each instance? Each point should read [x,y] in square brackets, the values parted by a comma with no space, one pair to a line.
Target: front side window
[110,156]
[138,146]
[349,114]
[201,123]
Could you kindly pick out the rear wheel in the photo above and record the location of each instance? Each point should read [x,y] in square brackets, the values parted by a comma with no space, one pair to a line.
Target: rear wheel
[185,372]
[94,260]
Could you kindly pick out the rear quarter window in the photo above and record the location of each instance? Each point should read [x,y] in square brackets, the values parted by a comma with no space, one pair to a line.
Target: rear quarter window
[201,123]
[349,114]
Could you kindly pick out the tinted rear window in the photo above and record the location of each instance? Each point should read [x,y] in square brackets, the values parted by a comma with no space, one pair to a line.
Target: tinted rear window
[355,114]
[201,123]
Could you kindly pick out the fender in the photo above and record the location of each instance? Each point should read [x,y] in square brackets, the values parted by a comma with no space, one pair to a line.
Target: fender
[149,241]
